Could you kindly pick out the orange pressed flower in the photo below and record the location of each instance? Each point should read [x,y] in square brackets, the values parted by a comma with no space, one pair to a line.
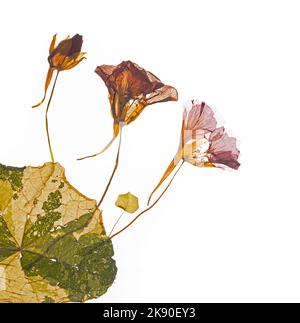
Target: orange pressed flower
[131,89]
[66,55]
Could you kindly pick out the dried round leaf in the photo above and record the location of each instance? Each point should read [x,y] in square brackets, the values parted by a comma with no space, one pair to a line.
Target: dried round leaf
[128,202]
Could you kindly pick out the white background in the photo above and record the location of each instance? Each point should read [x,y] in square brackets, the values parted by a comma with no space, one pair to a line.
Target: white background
[217,235]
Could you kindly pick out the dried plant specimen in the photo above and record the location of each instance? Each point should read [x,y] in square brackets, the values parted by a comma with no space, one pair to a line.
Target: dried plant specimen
[128,202]
[131,89]
[53,246]
[66,55]
[202,144]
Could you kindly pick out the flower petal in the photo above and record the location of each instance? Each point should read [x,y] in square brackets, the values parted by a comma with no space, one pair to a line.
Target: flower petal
[163,94]
[133,110]
[217,134]
[199,117]
[52,45]
[223,143]
[70,63]
[105,71]
[63,48]
[128,79]
[223,149]
[225,158]
[76,45]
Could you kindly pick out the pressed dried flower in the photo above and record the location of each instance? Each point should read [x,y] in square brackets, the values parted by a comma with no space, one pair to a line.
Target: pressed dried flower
[201,143]
[131,89]
[66,55]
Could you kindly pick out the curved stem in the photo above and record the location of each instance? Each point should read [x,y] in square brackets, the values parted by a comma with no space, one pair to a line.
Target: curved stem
[116,223]
[151,206]
[47,125]
[113,173]
[101,151]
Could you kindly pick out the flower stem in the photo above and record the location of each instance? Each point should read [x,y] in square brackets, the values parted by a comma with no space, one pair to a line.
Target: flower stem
[47,124]
[101,151]
[113,173]
[151,206]
[116,223]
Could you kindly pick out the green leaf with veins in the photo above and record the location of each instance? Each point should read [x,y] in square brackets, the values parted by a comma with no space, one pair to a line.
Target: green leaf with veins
[53,246]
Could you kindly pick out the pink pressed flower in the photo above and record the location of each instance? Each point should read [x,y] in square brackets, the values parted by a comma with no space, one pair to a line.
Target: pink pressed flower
[217,150]
[201,143]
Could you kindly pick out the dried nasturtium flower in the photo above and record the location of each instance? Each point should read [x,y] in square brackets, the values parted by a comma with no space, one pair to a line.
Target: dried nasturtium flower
[128,202]
[202,144]
[66,55]
[53,245]
[131,89]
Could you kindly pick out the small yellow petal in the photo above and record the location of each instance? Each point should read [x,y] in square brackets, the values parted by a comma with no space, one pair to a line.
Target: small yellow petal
[208,164]
[70,64]
[52,45]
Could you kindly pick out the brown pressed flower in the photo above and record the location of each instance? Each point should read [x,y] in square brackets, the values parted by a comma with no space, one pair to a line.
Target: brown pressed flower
[131,89]
[66,55]
[201,143]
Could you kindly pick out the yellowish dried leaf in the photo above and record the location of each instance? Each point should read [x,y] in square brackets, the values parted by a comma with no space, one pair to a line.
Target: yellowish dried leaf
[128,202]
[53,246]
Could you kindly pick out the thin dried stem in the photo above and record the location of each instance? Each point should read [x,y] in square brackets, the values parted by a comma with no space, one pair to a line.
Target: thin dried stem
[101,151]
[111,231]
[47,124]
[151,206]
[114,171]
